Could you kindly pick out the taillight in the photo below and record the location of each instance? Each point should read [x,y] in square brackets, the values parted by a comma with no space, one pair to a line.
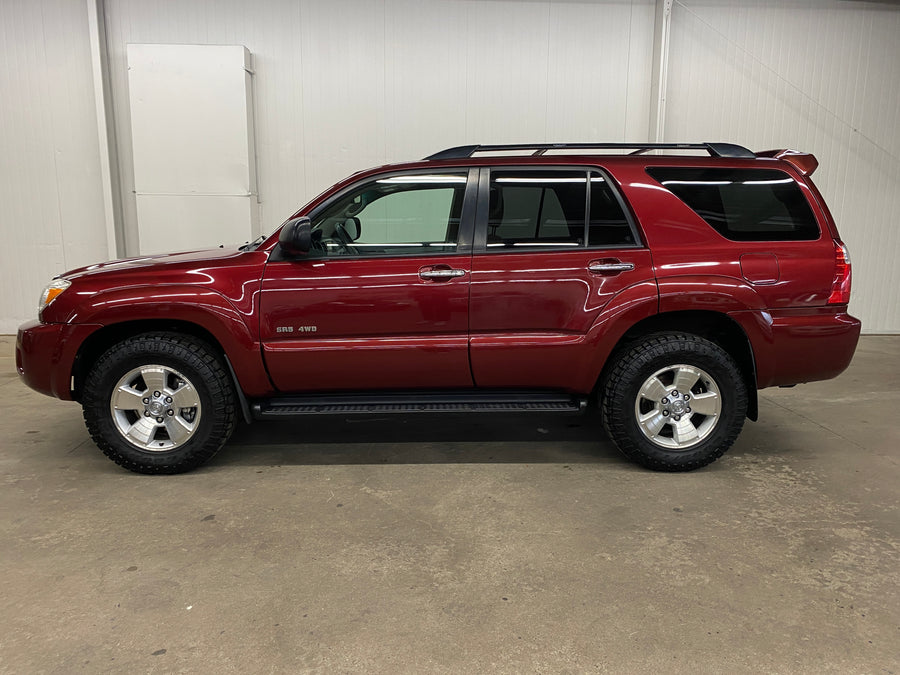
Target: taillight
[840,286]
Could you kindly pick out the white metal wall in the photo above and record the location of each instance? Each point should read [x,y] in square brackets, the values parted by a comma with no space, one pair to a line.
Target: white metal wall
[344,84]
[347,84]
[815,76]
[51,204]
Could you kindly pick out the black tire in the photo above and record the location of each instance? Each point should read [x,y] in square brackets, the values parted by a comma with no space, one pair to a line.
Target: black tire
[185,354]
[635,365]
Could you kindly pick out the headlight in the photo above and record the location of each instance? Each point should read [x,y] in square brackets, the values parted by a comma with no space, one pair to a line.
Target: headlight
[53,289]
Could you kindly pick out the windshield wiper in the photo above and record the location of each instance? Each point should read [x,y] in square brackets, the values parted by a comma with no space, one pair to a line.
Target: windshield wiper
[251,245]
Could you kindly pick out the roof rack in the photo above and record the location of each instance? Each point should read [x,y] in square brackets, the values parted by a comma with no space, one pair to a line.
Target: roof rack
[714,149]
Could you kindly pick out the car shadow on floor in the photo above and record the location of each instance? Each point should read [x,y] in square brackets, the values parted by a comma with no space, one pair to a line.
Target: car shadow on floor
[423,439]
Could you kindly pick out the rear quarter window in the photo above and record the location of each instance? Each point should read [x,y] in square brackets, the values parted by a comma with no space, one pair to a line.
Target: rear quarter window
[743,204]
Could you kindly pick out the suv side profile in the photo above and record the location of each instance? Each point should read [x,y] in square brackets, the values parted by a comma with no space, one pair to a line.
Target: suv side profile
[669,287]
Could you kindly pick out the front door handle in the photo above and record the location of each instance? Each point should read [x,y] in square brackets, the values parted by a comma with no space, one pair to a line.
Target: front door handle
[441,274]
[610,267]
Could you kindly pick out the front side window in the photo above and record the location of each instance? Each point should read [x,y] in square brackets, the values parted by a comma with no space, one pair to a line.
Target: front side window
[414,214]
[743,204]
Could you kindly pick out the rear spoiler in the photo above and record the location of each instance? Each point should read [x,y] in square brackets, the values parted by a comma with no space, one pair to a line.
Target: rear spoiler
[804,162]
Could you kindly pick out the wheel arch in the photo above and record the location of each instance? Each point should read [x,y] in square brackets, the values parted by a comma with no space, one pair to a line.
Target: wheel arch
[104,338]
[713,326]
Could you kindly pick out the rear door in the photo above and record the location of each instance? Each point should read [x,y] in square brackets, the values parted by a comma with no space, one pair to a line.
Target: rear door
[381,302]
[553,247]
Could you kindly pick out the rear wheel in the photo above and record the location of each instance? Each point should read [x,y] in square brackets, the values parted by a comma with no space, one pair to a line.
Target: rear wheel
[159,403]
[674,402]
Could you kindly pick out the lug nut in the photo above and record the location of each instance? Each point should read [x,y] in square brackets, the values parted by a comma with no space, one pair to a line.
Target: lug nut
[688,409]
[674,392]
[146,413]
[159,419]
[146,400]
[170,412]
[687,398]
[677,418]
[155,394]
[168,399]
[665,401]
[665,413]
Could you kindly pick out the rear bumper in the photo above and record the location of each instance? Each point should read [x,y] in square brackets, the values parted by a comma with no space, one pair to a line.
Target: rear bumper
[800,345]
[45,354]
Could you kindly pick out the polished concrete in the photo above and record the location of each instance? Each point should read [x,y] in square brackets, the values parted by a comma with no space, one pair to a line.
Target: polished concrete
[460,545]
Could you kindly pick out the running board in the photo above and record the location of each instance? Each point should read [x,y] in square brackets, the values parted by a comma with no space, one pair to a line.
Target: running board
[417,402]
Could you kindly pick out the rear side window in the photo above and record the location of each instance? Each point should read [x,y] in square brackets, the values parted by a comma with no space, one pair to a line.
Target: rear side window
[608,225]
[554,209]
[743,204]
[537,208]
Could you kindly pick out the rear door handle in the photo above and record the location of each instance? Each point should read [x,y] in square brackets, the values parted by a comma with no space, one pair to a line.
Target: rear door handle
[441,274]
[610,267]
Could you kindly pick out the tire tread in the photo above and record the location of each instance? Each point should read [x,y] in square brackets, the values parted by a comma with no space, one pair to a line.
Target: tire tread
[627,368]
[179,347]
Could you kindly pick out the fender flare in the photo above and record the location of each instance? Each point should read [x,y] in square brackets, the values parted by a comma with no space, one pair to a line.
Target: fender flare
[202,307]
[735,298]
[716,293]
[728,297]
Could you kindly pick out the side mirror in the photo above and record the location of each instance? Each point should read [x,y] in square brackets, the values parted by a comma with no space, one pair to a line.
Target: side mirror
[296,236]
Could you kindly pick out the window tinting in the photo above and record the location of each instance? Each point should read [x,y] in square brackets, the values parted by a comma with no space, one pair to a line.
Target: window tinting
[415,214]
[536,208]
[743,204]
[608,225]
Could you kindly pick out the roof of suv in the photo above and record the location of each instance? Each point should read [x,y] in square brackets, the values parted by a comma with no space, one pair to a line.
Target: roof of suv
[714,149]
[476,154]
[729,154]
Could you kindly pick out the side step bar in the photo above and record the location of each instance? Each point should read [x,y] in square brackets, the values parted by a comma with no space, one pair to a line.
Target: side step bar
[417,402]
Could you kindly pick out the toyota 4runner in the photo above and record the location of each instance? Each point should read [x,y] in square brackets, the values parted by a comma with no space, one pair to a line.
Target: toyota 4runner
[668,282]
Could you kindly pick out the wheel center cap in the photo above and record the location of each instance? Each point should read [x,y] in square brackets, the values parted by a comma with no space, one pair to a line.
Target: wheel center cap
[678,407]
[156,408]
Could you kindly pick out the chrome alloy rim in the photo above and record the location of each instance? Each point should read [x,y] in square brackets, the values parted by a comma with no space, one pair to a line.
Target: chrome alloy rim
[678,406]
[155,408]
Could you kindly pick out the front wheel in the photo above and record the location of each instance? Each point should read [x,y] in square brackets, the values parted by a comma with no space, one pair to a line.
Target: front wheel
[159,403]
[674,402]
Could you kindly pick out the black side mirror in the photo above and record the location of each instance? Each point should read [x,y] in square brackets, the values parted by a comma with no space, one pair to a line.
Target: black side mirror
[296,236]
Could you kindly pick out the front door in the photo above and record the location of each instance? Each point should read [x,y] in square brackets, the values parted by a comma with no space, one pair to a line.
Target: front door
[381,301]
[553,248]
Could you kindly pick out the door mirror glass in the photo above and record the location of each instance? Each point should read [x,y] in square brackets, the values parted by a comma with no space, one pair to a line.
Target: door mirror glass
[296,236]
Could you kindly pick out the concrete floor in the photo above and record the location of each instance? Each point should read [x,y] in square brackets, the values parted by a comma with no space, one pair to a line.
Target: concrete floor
[463,544]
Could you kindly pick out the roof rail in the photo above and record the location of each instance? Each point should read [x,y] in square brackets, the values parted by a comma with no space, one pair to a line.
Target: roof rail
[714,149]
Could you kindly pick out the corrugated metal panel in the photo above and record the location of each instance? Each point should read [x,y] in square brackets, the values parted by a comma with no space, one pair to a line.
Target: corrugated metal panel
[347,84]
[352,83]
[816,76]
[50,191]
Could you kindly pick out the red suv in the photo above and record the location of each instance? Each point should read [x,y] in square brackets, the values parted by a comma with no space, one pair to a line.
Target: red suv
[668,286]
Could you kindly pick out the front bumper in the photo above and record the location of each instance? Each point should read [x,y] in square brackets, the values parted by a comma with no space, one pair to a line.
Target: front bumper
[45,354]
